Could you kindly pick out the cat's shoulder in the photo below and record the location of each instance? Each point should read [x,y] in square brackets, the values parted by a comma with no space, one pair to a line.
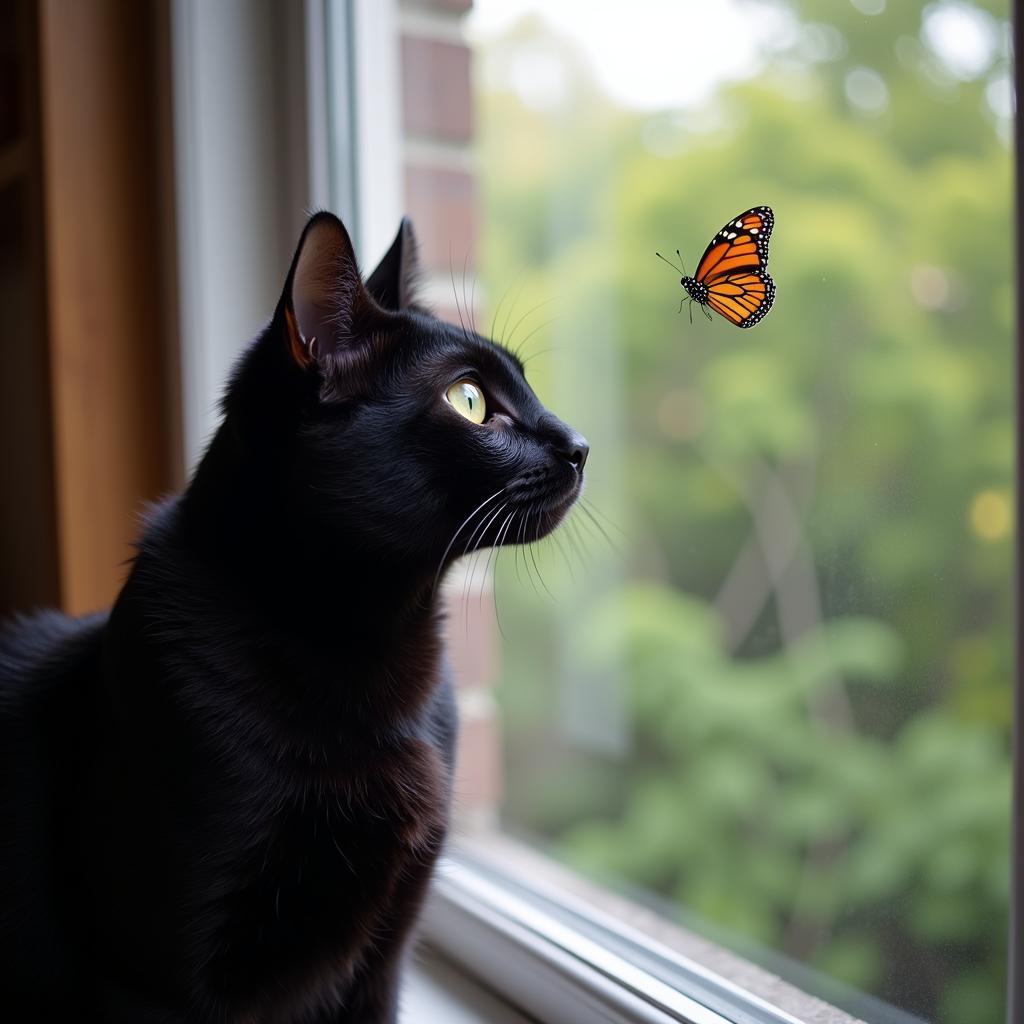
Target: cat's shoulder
[42,651]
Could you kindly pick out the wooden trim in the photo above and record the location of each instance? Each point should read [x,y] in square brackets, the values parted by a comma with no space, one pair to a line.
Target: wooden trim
[103,261]
[28,531]
[13,162]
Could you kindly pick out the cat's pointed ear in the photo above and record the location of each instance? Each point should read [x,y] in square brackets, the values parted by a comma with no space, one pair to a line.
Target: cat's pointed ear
[393,283]
[326,303]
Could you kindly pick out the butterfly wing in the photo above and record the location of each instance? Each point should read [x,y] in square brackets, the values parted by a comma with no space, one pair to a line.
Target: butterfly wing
[743,297]
[734,268]
[741,245]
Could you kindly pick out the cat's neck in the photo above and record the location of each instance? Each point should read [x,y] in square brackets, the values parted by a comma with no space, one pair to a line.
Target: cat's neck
[238,514]
[332,608]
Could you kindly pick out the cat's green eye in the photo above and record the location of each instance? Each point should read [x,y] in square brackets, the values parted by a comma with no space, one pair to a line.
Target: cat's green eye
[467,400]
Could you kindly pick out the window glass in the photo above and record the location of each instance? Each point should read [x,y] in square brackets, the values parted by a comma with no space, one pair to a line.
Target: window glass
[762,678]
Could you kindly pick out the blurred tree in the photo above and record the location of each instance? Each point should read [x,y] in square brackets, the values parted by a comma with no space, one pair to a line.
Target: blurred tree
[806,634]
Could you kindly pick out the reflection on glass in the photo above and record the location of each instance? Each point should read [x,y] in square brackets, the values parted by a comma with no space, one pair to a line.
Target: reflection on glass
[772,689]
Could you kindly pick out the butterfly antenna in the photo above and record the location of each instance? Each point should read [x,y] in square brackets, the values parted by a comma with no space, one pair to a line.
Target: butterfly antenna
[681,263]
[671,264]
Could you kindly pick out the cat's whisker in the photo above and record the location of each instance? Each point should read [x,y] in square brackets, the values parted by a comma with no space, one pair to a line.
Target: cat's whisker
[477,536]
[533,555]
[511,308]
[501,302]
[539,327]
[472,302]
[609,521]
[516,545]
[472,558]
[494,598]
[502,533]
[489,556]
[541,352]
[465,269]
[455,293]
[604,533]
[482,533]
[573,546]
[577,542]
[465,301]
[525,544]
[455,535]
[528,313]
[562,552]
[479,555]
[471,562]
[465,522]
[586,527]
[465,265]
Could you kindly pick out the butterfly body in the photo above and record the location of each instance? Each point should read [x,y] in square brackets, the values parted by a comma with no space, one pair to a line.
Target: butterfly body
[697,291]
[732,277]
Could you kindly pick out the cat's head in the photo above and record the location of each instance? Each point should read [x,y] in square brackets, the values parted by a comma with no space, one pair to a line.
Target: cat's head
[402,434]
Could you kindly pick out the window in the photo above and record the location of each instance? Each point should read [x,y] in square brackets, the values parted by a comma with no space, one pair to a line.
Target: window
[769,692]
[749,715]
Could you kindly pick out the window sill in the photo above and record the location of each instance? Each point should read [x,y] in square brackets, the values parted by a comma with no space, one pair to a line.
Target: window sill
[563,950]
[435,990]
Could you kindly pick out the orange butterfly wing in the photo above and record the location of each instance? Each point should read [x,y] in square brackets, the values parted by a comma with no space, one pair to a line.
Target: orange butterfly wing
[734,268]
[742,297]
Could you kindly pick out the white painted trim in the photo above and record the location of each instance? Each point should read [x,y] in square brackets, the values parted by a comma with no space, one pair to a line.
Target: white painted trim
[318,134]
[242,185]
[378,127]
[339,110]
[437,993]
[194,390]
[542,964]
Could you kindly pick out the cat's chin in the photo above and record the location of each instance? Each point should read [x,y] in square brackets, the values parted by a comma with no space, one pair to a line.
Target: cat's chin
[546,519]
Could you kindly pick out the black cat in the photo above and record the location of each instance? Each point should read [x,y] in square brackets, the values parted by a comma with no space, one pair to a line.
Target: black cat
[223,801]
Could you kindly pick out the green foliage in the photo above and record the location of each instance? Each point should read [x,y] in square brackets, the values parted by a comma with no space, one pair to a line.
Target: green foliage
[784,702]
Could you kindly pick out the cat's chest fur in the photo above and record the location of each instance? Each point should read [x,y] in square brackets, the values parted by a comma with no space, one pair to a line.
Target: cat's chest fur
[304,903]
[309,799]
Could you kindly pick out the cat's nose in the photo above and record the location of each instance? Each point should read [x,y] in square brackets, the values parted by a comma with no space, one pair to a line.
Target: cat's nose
[575,449]
[565,442]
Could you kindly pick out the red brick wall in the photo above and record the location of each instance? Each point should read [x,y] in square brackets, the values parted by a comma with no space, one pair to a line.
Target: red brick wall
[442,204]
[436,98]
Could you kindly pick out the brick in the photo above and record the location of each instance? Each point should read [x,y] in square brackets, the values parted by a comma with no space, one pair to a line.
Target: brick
[437,101]
[471,641]
[448,312]
[458,6]
[478,768]
[442,204]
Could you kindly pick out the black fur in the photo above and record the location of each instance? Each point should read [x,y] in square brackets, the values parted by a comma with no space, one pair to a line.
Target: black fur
[223,801]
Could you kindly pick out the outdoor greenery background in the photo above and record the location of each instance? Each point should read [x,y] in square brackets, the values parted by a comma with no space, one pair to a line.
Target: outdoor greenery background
[780,698]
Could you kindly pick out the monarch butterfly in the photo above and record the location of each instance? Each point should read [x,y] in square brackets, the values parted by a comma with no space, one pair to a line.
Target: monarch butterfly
[732,276]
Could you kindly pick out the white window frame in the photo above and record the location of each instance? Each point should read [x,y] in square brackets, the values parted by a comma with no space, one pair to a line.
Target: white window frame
[264,118]
[534,952]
